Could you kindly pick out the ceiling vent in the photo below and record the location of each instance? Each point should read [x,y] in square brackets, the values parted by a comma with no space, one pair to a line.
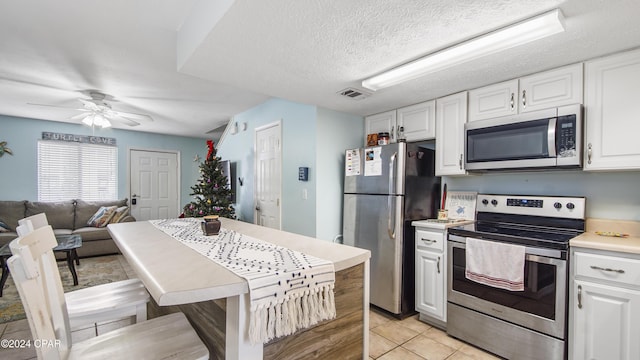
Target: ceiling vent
[355,94]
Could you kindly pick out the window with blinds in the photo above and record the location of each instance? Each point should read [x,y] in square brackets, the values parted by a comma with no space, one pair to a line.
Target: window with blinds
[68,170]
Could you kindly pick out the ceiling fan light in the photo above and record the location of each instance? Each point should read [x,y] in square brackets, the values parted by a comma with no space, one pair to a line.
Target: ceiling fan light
[98,120]
[88,120]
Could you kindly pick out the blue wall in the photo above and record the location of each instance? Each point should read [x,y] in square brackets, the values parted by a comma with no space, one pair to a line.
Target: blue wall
[19,172]
[610,195]
[311,137]
[298,149]
[336,132]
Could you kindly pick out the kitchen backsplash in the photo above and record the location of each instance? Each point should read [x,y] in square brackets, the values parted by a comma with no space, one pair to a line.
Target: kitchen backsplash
[611,195]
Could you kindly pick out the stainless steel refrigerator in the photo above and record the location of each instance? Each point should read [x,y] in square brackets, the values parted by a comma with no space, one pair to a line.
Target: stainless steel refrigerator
[385,188]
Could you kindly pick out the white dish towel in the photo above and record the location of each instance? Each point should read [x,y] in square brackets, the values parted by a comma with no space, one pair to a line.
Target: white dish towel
[495,264]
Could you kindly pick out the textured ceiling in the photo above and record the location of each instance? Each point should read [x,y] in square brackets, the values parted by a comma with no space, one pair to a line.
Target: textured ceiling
[305,51]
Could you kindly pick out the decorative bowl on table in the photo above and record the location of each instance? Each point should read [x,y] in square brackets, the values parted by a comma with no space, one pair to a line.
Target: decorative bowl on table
[210,225]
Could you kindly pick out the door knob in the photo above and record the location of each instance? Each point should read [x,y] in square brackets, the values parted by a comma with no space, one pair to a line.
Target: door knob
[257,208]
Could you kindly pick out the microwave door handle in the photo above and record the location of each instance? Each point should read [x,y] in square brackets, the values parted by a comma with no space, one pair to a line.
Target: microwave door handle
[551,137]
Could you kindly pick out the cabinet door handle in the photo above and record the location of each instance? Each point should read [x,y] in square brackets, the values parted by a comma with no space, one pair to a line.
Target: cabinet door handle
[579,296]
[512,102]
[438,264]
[589,153]
[460,162]
[524,99]
[393,128]
[619,271]
[429,241]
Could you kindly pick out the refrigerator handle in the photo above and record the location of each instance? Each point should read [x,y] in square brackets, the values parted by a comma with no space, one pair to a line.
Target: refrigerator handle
[391,229]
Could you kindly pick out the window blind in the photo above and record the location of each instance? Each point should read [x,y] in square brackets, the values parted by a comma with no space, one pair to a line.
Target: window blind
[77,171]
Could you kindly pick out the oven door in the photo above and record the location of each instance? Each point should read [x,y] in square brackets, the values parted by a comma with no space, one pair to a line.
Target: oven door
[542,304]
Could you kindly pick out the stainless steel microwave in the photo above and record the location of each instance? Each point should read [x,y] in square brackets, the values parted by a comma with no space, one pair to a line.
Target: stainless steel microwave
[542,139]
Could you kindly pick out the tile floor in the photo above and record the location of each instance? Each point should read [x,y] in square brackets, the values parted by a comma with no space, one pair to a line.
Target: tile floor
[412,339]
[389,338]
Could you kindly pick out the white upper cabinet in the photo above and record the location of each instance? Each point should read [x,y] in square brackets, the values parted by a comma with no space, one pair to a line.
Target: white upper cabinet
[383,122]
[494,101]
[417,122]
[451,115]
[612,94]
[558,87]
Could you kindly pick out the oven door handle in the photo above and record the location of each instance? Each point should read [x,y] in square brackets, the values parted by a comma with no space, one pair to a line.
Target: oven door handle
[531,253]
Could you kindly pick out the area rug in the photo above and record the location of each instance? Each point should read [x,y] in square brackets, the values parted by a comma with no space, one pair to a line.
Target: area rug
[91,272]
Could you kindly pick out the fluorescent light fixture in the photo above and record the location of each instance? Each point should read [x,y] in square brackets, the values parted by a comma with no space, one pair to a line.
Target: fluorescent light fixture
[511,36]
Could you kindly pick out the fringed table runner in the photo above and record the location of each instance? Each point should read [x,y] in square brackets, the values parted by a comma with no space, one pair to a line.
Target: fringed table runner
[288,290]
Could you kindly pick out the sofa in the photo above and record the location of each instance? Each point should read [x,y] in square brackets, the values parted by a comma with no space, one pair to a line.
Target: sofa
[66,217]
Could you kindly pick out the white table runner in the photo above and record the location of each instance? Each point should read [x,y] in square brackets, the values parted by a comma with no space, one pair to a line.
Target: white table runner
[289,290]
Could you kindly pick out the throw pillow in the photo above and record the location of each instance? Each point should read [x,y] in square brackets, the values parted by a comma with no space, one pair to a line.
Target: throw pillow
[102,217]
[119,214]
[4,227]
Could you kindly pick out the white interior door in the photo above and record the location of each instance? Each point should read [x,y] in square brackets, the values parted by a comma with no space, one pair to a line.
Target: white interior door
[268,175]
[153,184]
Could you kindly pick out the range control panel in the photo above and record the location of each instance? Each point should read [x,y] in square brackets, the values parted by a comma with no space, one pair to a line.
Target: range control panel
[552,206]
[525,202]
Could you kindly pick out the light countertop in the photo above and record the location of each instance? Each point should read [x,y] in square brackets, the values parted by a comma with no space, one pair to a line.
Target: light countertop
[591,240]
[439,225]
[176,274]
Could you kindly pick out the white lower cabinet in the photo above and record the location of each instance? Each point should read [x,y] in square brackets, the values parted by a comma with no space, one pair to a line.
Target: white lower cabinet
[430,293]
[431,270]
[604,306]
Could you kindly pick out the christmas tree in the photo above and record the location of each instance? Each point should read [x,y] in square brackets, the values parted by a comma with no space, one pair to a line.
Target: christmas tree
[211,193]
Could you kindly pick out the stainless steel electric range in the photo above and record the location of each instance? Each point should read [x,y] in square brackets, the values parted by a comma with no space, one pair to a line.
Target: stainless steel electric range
[529,324]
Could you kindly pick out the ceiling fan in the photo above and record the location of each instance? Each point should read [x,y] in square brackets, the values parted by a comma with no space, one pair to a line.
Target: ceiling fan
[97,112]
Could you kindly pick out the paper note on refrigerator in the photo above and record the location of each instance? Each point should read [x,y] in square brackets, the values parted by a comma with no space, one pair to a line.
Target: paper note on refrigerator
[352,163]
[372,161]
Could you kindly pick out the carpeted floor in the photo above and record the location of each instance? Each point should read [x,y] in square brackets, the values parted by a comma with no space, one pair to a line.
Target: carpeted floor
[91,272]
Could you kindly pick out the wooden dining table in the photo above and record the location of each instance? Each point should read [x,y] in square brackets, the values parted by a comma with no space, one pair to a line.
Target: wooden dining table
[216,301]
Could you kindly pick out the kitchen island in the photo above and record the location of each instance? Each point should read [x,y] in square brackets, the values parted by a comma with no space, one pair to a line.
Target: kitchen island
[216,300]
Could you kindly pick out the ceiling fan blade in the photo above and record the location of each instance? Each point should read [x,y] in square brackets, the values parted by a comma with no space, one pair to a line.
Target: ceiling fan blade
[56,106]
[144,117]
[122,119]
[83,114]
[90,105]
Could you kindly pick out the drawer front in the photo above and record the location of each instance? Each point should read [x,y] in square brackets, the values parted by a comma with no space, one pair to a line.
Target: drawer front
[609,268]
[429,240]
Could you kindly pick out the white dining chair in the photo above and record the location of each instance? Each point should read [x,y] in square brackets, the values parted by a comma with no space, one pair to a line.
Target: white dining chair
[36,221]
[33,265]
[100,303]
